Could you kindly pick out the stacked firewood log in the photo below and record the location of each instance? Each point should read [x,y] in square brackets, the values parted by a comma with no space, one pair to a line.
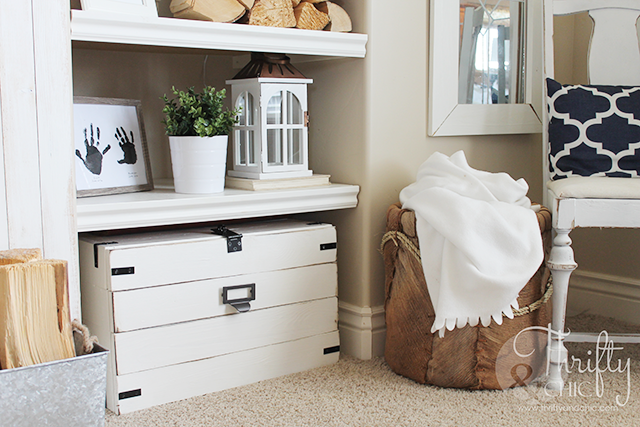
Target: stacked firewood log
[305,14]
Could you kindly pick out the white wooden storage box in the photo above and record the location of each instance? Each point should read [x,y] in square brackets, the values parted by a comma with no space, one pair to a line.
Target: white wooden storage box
[189,312]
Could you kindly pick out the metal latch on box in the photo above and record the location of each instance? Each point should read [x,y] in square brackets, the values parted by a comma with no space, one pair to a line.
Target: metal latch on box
[234,240]
[239,296]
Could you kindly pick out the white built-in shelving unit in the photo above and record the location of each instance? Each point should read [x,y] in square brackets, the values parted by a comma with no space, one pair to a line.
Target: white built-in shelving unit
[163,206]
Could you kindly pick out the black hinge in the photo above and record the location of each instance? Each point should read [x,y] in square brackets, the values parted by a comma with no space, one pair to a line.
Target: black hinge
[95,251]
[327,246]
[234,240]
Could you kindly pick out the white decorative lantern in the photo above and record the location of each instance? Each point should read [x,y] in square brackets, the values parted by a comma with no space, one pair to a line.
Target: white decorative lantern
[271,139]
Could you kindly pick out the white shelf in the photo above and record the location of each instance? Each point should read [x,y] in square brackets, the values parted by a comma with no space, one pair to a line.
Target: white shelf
[163,206]
[104,27]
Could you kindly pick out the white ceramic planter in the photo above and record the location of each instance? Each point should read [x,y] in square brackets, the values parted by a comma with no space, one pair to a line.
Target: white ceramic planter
[199,164]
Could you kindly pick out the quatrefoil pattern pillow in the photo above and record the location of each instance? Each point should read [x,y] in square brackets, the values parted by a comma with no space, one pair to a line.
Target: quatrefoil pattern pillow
[593,130]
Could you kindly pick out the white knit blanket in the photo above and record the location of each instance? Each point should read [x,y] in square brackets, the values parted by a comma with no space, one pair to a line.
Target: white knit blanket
[479,240]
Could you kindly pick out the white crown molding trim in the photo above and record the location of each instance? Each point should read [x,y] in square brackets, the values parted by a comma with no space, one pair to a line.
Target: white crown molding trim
[362,330]
[605,295]
[163,206]
[121,28]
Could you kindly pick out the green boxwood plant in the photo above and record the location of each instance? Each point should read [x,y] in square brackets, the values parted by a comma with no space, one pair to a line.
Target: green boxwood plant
[198,114]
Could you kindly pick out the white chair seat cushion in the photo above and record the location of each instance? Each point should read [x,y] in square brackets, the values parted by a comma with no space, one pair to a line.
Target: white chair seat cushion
[595,188]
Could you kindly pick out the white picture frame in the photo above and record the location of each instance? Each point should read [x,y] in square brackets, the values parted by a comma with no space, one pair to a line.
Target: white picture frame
[446,117]
[131,7]
[111,155]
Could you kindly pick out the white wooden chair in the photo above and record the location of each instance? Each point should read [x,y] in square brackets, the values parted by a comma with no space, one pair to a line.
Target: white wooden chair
[597,200]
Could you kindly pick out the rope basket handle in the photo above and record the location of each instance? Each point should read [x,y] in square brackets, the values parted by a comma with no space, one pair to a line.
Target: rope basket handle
[87,340]
[401,239]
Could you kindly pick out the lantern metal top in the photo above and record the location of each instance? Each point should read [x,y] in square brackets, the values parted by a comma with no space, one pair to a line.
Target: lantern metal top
[269,65]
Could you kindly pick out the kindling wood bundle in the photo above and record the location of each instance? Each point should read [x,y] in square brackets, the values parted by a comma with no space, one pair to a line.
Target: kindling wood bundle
[305,14]
[34,309]
[470,357]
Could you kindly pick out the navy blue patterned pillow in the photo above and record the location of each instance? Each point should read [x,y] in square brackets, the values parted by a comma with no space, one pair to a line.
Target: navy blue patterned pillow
[593,130]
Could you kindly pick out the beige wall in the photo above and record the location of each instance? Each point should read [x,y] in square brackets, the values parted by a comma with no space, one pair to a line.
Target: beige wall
[372,132]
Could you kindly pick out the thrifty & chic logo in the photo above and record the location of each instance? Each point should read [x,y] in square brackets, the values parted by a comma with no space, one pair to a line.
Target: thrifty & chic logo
[523,363]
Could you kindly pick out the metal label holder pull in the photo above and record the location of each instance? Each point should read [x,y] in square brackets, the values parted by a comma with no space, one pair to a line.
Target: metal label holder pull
[241,304]
[234,240]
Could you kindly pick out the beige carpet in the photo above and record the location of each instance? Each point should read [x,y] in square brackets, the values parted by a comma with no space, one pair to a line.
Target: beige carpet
[367,393]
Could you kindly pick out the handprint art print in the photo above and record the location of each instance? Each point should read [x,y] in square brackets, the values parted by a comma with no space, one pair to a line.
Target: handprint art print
[110,147]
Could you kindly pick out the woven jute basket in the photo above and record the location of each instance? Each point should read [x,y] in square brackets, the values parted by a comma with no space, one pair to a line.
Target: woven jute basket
[469,357]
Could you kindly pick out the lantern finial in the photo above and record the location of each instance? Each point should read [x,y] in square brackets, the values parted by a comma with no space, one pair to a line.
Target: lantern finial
[273,65]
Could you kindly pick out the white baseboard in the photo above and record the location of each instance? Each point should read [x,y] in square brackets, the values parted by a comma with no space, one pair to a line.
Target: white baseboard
[362,330]
[605,295]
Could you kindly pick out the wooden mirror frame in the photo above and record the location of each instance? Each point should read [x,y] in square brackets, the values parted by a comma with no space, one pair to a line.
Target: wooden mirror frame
[445,116]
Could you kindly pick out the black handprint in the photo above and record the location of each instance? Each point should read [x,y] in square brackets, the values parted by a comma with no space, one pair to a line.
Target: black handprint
[128,148]
[93,156]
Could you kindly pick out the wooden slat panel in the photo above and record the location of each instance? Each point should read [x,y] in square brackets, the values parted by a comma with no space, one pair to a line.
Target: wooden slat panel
[162,305]
[196,254]
[19,133]
[4,224]
[186,380]
[54,99]
[34,37]
[183,342]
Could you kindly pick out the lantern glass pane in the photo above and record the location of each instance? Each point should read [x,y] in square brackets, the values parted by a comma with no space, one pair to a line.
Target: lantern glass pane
[274,110]
[294,145]
[241,104]
[274,147]
[241,147]
[251,154]
[249,109]
[294,114]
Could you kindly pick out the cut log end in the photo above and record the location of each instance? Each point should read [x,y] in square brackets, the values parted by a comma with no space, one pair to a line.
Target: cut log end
[272,13]
[308,17]
[338,17]
[12,256]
